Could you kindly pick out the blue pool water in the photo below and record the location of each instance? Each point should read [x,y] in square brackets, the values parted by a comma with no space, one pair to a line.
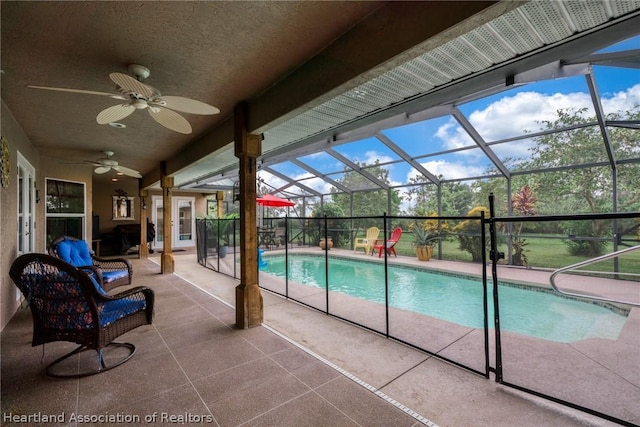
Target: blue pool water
[456,298]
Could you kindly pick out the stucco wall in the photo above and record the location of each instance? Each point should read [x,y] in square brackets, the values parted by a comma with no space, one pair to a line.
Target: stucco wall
[18,141]
[98,201]
[45,168]
[103,202]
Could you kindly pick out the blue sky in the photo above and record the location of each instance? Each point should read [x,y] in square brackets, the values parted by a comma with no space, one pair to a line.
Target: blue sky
[503,115]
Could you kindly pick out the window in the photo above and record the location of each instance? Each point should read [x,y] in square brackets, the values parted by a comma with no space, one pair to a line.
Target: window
[65,210]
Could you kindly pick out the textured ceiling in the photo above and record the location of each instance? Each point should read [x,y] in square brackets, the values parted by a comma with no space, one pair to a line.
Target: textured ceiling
[305,68]
[216,52]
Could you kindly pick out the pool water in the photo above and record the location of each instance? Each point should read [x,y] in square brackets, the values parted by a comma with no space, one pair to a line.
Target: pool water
[456,298]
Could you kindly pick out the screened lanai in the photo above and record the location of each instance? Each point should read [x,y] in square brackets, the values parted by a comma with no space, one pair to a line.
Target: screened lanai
[525,116]
[443,128]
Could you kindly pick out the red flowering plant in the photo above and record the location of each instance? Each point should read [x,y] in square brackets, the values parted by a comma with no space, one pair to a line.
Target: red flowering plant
[523,203]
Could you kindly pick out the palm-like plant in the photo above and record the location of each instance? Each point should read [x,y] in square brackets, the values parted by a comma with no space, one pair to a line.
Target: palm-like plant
[426,233]
[422,236]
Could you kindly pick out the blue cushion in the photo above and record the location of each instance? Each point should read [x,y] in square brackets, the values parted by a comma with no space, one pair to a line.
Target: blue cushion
[92,275]
[110,276]
[75,252]
[111,311]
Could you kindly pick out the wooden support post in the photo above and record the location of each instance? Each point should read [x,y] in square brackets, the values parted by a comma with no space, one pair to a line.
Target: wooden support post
[249,305]
[220,200]
[167,263]
[143,249]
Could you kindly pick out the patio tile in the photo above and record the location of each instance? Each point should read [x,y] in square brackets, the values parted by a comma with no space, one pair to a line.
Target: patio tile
[229,382]
[206,358]
[309,410]
[179,309]
[265,340]
[314,373]
[254,401]
[366,409]
[130,382]
[181,404]
[188,333]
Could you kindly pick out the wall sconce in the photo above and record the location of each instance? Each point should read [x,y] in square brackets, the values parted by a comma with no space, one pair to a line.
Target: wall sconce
[144,203]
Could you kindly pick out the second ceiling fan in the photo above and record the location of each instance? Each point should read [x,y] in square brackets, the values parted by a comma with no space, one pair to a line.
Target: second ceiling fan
[139,96]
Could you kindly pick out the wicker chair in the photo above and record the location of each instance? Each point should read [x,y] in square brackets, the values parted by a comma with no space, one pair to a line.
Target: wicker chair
[110,272]
[67,305]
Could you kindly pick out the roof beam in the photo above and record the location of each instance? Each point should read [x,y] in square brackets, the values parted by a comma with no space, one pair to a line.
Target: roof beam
[357,168]
[320,175]
[479,140]
[291,181]
[600,117]
[403,154]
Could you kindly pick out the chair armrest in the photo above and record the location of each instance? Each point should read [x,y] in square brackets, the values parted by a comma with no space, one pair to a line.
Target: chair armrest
[139,291]
[95,270]
[113,264]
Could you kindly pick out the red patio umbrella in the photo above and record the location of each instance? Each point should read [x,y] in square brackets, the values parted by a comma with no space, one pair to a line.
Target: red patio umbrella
[273,201]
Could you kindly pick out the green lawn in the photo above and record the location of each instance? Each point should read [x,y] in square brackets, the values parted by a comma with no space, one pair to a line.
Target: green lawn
[540,252]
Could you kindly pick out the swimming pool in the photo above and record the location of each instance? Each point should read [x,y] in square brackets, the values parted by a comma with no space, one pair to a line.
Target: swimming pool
[456,298]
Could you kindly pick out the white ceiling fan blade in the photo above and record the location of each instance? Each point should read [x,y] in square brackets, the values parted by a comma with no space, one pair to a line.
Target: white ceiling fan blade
[129,83]
[62,89]
[127,171]
[102,169]
[170,119]
[187,105]
[115,113]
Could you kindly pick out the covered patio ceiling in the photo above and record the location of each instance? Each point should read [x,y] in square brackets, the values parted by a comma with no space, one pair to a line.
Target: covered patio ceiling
[314,74]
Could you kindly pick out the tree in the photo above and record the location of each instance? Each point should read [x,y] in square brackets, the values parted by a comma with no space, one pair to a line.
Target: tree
[423,194]
[456,197]
[366,203]
[586,189]
[337,229]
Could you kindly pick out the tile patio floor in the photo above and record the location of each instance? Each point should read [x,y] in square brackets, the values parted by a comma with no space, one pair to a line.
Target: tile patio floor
[301,368]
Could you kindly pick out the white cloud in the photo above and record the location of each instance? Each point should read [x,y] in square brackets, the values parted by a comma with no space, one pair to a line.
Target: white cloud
[453,136]
[370,158]
[317,184]
[513,115]
[450,170]
[622,101]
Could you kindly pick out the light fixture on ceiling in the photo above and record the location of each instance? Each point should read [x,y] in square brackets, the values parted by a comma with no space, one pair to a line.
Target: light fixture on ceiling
[117,125]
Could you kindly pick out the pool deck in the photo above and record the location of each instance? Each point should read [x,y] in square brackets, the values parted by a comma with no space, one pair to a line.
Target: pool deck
[568,371]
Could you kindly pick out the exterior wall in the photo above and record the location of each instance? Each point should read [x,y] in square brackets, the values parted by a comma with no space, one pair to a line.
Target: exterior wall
[103,202]
[98,202]
[18,141]
[45,168]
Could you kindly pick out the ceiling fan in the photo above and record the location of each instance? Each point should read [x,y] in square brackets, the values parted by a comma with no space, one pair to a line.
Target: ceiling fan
[139,96]
[105,164]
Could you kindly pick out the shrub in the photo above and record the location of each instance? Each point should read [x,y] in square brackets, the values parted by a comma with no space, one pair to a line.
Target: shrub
[469,236]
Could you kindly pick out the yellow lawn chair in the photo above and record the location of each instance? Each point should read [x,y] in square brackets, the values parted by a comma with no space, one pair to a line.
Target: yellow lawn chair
[366,242]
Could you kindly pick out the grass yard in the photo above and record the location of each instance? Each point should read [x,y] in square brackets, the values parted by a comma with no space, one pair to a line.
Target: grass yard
[551,253]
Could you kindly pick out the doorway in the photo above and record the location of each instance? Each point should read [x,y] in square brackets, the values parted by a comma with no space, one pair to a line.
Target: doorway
[183,225]
[26,205]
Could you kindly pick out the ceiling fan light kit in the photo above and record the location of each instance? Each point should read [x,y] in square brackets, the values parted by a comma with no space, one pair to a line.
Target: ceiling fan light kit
[139,96]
